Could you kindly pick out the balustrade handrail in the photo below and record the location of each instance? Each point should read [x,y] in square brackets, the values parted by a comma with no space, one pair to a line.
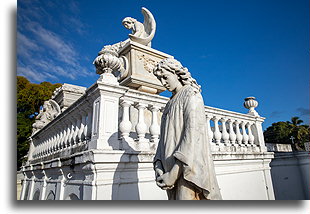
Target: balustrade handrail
[231,114]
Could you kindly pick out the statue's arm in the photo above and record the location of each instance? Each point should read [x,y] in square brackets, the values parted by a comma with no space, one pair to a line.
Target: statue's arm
[139,29]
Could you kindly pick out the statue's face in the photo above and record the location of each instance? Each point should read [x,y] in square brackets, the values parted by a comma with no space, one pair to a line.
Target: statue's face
[128,25]
[170,80]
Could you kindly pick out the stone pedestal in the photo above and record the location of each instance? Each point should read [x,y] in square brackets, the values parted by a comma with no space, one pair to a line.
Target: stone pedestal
[141,61]
[67,94]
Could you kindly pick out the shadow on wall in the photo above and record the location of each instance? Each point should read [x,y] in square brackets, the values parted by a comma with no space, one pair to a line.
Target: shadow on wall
[125,179]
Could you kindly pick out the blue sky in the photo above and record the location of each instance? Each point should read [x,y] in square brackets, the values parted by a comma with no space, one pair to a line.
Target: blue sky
[234,49]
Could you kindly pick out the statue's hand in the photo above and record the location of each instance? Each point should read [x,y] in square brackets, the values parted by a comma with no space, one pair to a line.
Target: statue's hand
[166,181]
[158,172]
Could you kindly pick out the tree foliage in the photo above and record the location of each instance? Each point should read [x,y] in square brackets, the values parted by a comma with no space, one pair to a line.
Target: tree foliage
[281,132]
[30,97]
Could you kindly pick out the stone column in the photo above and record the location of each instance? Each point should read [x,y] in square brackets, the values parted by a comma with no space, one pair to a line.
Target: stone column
[105,117]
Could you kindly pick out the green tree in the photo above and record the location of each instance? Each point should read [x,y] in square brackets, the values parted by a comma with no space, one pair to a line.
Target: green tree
[299,131]
[30,97]
[281,132]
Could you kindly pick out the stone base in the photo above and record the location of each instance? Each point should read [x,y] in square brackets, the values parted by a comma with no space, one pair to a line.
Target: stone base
[121,175]
[142,59]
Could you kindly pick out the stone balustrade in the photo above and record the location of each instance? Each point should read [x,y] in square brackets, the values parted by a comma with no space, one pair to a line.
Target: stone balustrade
[67,134]
[112,117]
[234,132]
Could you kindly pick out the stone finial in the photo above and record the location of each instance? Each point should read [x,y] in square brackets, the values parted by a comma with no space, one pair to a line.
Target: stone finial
[251,103]
[141,33]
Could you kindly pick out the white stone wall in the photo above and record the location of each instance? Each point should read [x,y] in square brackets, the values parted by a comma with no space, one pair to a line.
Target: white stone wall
[290,175]
[119,175]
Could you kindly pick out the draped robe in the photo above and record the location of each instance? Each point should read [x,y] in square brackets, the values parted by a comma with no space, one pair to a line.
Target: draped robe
[184,137]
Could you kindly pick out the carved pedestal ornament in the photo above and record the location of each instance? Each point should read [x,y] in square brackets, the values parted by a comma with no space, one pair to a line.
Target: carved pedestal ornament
[131,62]
[108,61]
[48,113]
[141,33]
[251,103]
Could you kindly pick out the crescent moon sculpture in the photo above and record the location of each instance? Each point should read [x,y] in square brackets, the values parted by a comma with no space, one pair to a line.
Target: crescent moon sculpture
[141,33]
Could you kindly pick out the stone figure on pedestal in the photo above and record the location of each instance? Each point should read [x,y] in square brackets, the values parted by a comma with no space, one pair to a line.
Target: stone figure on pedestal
[141,33]
[183,162]
[49,111]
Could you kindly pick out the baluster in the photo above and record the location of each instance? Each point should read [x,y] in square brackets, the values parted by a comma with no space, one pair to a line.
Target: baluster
[56,144]
[44,152]
[64,135]
[81,135]
[232,135]
[225,135]
[59,142]
[51,143]
[88,128]
[42,148]
[125,126]
[42,143]
[217,133]
[67,142]
[141,127]
[74,129]
[154,128]
[77,127]
[238,134]
[245,137]
[35,149]
[38,150]
[71,127]
[251,136]
[209,130]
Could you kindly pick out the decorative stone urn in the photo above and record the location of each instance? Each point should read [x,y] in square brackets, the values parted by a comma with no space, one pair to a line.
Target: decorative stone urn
[251,103]
[107,61]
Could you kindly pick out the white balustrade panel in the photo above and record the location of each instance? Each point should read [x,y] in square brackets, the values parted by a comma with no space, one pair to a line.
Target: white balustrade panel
[71,131]
[139,127]
[231,133]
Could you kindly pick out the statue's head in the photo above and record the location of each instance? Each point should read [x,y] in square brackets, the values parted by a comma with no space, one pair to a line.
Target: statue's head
[171,71]
[129,22]
[46,106]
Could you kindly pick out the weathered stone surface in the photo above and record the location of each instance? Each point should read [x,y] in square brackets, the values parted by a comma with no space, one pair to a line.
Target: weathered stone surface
[184,151]
[142,60]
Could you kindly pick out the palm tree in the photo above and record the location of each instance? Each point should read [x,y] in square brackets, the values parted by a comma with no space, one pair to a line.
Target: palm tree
[299,132]
[295,121]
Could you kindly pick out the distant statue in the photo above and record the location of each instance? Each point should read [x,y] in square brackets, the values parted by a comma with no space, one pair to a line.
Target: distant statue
[108,59]
[183,162]
[141,33]
[49,112]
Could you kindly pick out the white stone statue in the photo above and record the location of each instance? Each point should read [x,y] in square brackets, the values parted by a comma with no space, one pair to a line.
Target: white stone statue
[108,60]
[183,162]
[49,112]
[141,33]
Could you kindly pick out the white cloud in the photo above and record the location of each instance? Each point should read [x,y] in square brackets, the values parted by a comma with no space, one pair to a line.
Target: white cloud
[48,54]
[34,76]
[25,46]
[53,42]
